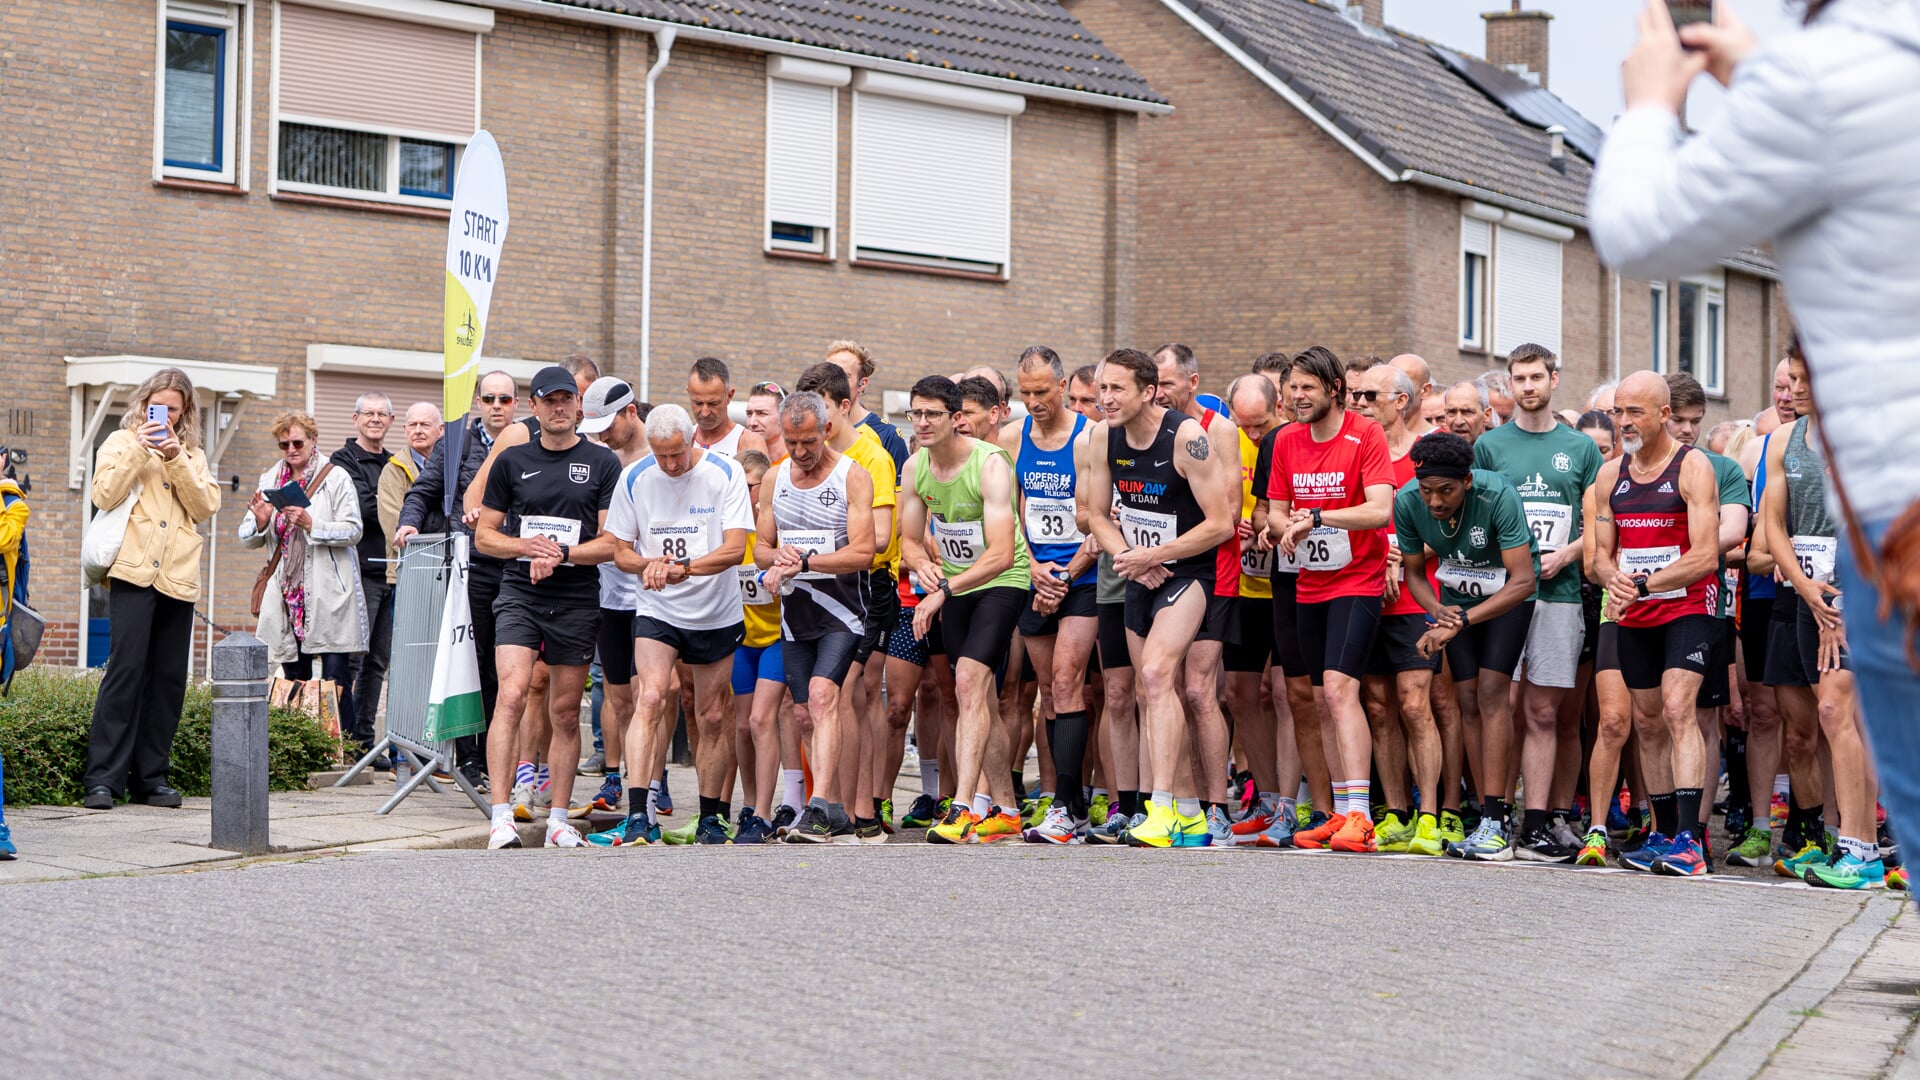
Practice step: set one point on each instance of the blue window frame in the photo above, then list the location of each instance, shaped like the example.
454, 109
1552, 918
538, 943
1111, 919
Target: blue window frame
194, 127
426, 169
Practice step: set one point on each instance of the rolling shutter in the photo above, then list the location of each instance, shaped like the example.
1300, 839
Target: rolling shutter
334, 393
1476, 236
930, 182
802, 152
385, 74
1526, 291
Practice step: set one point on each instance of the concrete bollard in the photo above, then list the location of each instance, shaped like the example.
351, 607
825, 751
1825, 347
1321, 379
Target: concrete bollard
240, 680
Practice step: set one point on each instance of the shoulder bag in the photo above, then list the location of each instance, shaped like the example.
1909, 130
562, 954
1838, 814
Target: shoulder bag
266, 572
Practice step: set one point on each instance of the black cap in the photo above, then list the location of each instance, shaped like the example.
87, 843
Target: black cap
551, 378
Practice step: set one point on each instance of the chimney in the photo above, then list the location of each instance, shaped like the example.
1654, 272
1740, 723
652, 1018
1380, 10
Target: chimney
1369, 12
1517, 41
1557, 148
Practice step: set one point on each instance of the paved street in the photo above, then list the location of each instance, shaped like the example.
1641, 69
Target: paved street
902, 960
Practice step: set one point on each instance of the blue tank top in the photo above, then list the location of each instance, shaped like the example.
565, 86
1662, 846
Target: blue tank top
1046, 483
1760, 586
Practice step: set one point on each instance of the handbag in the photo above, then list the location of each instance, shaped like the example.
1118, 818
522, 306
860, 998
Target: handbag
265, 577
100, 545
1894, 570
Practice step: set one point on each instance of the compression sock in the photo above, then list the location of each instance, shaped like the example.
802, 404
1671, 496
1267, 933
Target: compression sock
1738, 792
1666, 815
1067, 742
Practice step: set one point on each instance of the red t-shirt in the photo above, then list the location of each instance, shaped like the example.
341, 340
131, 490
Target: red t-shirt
1406, 604
1334, 475
1226, 557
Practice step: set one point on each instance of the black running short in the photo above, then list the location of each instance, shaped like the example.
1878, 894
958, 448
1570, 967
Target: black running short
1590, 616
1113, 638
1717, 688
1755, 614
1496, 644
563, 636
1286, 627
1078, 604
1806, 638
1782, 667
1396, 646
1648, 652
979, 625
829, 658
1606, 650
883, 613
1343, 628
696, 647
616, 646
1144, 605
1250, 637
1218, 625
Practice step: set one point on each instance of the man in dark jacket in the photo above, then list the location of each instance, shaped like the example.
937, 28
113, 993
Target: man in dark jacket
362, 458
422, 513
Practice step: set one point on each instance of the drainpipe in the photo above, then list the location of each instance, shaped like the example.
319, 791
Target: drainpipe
664, 40
1615, 275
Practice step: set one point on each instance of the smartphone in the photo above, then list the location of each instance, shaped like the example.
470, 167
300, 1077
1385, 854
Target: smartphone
156, 414
1688, 12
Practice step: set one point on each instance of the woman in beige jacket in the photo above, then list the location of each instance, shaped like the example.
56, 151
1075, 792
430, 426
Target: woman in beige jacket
151, 591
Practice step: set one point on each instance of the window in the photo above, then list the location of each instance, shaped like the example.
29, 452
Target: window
932, 174
199, 58
1659, 321
1526, 284
375, 108
1476, 248
1701, 340
803, 153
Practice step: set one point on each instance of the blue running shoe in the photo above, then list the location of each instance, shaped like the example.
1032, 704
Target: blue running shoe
754, 830
634, 830
608, 797
7, 850
1686, 858
1618, 823
664, 801
1641, 858
712, 830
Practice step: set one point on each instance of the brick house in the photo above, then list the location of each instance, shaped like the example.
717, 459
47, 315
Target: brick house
257, 191
1328, 179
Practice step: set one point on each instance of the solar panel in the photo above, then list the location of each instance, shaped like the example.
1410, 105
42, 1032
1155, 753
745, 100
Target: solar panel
1526, 102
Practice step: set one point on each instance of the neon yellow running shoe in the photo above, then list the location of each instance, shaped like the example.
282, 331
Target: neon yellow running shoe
1034, 811
1303, 813
1593, 850
1097, 810
955, 828
683, 835
1452, 829
1425, 838
1158, 829
1392, 834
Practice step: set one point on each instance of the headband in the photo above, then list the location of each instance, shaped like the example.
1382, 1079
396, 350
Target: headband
1434, 470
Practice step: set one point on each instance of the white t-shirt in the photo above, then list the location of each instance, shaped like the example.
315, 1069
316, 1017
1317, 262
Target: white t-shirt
617, 587
685, 516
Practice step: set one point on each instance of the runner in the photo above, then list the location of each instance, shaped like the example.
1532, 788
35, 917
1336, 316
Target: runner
608, 412
1469, 412
1175, 509
759, 681
1613, 702
1420, 374
962, 488
1657, 550
709, 392
815, 540
763, 418
1120, 723
1331, 495
858, 363
1550, 466
554, 495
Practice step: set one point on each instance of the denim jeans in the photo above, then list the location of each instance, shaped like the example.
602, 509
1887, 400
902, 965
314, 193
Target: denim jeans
1889, 688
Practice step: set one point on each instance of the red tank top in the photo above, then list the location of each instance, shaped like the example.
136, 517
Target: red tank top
1651, 518
1226, 557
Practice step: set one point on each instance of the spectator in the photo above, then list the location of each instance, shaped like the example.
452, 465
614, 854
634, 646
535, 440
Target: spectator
13, 588
152, 589
423, 429
363, 458
313, 607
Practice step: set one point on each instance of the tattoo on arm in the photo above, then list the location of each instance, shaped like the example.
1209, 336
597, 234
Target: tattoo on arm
1199, 448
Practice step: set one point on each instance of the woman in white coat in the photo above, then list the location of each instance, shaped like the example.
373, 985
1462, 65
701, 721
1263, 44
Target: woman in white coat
313, 606
1817, 151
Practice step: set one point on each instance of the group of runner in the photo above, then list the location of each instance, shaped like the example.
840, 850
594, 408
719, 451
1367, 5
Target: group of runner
1299, 616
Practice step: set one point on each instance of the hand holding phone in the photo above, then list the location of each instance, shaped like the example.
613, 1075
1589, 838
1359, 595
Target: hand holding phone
1687, 13
157, 414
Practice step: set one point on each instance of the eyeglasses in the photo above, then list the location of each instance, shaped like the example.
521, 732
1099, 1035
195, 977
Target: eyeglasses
926, 416
422, 425
375, 415
496, 399
1368, 396
293, 444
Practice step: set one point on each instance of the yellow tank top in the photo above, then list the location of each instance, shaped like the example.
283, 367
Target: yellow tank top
867, 452
763, 619
1254, 567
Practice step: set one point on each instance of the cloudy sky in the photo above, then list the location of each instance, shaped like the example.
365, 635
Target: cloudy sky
1589, 39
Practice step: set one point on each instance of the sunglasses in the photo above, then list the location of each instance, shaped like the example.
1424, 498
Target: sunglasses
496, 399
1368, 396
293, 444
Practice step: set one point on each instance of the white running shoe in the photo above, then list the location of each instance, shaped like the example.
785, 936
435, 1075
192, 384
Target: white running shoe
502, 835
523, 802
561, 834
1059, 827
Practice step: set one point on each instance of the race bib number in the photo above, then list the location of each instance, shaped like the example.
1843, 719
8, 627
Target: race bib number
1051, 521
1288, 564
1551, 524
560, 530
1815, 554
752, 592
681, 538
1144, 528
1325, 548
961, 542
1393, 541
1256, 563
1637, 561
1478, 582
812, 541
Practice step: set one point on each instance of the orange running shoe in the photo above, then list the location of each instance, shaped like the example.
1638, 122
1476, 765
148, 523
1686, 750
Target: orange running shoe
1316, 838
1355, 835
997, 827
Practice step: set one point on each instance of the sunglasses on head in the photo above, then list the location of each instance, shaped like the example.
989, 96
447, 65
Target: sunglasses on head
496, 399
293, 444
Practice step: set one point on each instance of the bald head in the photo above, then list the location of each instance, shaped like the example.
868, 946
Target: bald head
1642, 403
1253, 402
1766, 422
1417, 372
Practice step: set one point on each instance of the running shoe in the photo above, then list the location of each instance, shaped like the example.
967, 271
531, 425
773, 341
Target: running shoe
1426, 838
843, 832
1355, 836
1097, 810
542, 787
870, 831
563, 835
663, 803
1157, 830
783, 820
1279, 833
1739, 818
1114, 831
1452, 829
1686, 858
608, 797
955, 828
1897, 878
753, 830
1642, 857
1752, 848
595, 765
1192, 831
1487, 844
1620, 824
812, 827
1034, 812
1889, 847
1391, 834
1219, 829
7, 850
1059, 828
1564, 835
1541, 845
886, 816
998, 826
712, 829
1795, 865
1777, 812
633, 830
1248, 829
523, 801
922, 814
1593, 850
502, 835
1848, 872
683, 835
1316, 836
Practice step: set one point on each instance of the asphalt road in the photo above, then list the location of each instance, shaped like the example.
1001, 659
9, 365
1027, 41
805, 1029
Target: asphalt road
906, 960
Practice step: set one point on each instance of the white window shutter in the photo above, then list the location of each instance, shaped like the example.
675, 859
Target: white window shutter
1526, 291
930, 181
1476, 236
802, 153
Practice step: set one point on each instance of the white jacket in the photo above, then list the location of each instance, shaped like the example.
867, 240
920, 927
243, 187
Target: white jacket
336, 608
1819, 152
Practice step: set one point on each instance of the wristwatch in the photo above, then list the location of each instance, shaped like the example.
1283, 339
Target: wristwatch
1640, 583
804, 560
1465, 621
1316, 517
566, 552
685, 564
946, 587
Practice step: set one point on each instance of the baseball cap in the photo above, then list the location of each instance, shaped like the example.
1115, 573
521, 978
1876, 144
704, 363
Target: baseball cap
551, 378
604, 400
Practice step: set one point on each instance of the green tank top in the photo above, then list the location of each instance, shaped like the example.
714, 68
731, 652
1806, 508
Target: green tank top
959, 518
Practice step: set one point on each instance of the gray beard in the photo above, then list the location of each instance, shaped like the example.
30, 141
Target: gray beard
1631, 446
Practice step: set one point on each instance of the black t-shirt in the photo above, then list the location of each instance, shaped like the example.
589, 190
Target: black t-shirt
559, 493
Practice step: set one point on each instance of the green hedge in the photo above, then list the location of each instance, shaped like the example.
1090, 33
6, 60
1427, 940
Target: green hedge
43, 740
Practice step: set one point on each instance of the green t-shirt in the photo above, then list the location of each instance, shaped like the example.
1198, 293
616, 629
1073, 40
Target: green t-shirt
959, 518
1490, 521
1551, 473
1733, 492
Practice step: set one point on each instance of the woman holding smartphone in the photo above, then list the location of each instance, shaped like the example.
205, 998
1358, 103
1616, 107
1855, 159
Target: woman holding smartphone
151, 589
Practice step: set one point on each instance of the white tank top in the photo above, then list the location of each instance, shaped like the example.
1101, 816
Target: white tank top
815, 519
730, 445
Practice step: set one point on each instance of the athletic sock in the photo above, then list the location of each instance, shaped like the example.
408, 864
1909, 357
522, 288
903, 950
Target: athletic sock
1665, 814
837, 814
817, 803
1359, 798
1268, 798
709, 806
1019, 786
1864, 850
1686, 810
1129, 803
1164, 798
1187, 808
722, 810
613, 774
523, 773
876, 805
1339, 798
929, 778
1495, 808
1288, 808
1734, 741
982, 805
1782, 784
502, 813
556, 816
1532, 820
653, 804
793, 789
